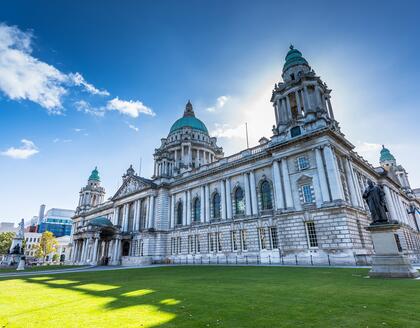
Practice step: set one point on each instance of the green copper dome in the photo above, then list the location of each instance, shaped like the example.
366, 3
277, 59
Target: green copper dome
95, 175
386, 155
189, 120
294, 57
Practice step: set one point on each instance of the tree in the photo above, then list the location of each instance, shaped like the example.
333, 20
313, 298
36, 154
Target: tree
6, 241
47, 245
56, 257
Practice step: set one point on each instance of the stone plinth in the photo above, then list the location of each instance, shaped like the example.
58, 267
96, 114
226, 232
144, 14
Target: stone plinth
389, 260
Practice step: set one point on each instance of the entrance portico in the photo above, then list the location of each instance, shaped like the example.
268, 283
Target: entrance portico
97, 243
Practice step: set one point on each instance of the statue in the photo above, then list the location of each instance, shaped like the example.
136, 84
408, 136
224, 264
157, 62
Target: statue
375, 198
21, 231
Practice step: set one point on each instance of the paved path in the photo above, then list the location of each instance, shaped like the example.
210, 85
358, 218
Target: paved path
107, 268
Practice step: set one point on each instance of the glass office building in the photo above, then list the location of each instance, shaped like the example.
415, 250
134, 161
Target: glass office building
58, 221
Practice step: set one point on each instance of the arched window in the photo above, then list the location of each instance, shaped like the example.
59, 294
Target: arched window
266, 197
196, 209
216, 206
239, 201
179, 214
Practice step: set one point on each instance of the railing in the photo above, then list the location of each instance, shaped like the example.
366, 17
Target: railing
271, 259
235, 157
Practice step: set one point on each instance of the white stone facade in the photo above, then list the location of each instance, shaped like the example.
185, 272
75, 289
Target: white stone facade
295, 197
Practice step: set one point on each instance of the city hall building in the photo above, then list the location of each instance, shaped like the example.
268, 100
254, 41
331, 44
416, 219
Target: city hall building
294, 197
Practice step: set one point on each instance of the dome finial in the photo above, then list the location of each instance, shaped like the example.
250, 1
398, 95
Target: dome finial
291, 47
189, 111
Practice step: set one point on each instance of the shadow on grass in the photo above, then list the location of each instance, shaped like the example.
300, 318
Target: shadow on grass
131, 291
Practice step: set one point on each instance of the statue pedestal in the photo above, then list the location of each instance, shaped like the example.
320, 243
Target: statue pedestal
389, 260
21, 265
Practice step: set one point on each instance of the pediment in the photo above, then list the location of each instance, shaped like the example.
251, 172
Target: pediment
304, 179
131, 185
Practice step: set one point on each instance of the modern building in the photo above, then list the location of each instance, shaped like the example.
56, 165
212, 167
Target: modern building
296, 195
58, 221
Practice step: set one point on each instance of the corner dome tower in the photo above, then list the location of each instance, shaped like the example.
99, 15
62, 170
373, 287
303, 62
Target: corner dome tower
386, 159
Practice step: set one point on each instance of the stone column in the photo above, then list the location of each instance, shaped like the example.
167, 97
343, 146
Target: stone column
288, 109
172, 224
228, 199
299, 111
85, 250
207, 198
188, 208
115, 218
202, 204
94, 253
333, 173
286, 184
356, 185
223, 199
306, 100
330, 110
254, 201
152, 212
125, 217
276, 111
184, 209
278, 192
146, 224
247, 195
350, 182
135, 223
321, 176
116, 256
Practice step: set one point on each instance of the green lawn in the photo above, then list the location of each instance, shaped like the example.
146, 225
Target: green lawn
210, 296
40, 268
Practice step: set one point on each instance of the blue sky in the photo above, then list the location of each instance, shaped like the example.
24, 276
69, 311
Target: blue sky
86, 83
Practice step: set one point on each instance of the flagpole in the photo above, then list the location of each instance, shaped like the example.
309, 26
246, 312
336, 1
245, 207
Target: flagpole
246, 129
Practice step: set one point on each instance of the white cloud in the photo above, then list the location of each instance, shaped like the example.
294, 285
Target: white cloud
366, 147
131, 126
24, 77
220, 103
79, 80
130, 107
227, 131
85, 107
26, 150
78, 130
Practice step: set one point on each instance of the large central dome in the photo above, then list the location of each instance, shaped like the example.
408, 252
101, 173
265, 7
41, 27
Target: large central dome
189, 120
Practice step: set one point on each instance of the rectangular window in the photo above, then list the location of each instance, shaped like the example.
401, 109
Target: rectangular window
307, 194
197, 243
244, 245
190, 244
219, 241
235, 241
311, 234
178, 245
172, 245
303, 163
211, 243
261, 234
141, 247
274, 241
